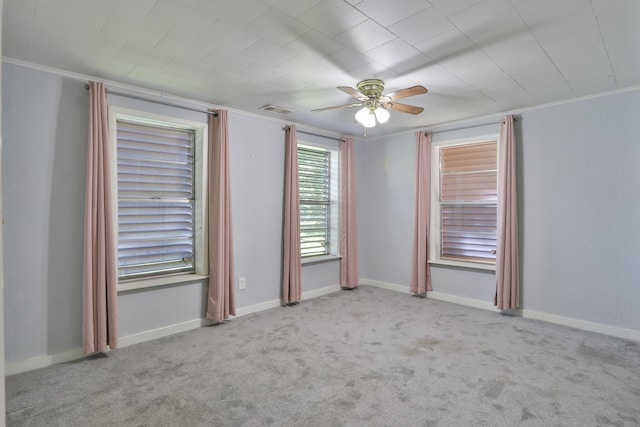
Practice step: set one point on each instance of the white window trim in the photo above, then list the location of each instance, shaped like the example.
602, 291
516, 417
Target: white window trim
434, 214
159, 281
200, 163
334, 216
320, 259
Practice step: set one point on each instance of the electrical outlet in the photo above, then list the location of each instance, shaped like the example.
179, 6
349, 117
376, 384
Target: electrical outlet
242, 283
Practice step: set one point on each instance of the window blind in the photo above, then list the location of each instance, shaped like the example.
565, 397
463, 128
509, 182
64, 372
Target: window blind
314, 194
155, 199
468, 196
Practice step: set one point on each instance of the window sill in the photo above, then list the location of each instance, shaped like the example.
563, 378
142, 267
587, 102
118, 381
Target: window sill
320, 259
461, 264
156, 282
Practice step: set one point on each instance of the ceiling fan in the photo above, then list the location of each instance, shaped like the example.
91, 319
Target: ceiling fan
375, 104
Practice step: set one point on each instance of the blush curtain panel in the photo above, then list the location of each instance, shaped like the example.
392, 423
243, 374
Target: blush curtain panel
348, 235
100, 270
291, 260
507, 295
420, 270
220, 301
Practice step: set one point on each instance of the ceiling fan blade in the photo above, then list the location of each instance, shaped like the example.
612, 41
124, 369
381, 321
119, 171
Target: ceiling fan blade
404, 93
338, 106
404, 108
353, 92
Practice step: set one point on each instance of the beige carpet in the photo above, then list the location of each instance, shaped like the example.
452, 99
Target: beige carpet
368, 357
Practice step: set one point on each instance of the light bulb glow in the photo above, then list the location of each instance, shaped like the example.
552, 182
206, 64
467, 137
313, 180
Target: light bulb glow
366, 118
381, 114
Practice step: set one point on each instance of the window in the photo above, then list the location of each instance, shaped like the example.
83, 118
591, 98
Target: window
159, 210
465, 213
317, 184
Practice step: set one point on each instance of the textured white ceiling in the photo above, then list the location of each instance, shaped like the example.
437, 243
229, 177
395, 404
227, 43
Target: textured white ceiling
475, 57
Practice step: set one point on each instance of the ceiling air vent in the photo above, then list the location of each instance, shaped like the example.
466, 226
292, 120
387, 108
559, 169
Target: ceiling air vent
276, 109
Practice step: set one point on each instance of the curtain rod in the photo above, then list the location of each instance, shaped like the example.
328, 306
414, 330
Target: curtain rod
515, 119
155, 101
314, 134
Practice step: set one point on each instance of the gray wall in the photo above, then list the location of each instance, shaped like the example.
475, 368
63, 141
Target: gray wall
579, 210
385, 186
43, 172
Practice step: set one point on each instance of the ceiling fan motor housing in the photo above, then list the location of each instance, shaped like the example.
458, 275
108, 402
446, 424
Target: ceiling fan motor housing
372, 89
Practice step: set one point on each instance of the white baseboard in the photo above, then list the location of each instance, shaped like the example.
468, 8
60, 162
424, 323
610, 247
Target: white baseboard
42, 361
431, 294
614, 331
321, 292
584, 325
385, 285
75, 354
277, 303
160, 332
463, 301
243, 311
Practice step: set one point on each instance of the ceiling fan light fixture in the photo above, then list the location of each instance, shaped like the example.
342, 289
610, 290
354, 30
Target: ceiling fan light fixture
366, 117
381, 114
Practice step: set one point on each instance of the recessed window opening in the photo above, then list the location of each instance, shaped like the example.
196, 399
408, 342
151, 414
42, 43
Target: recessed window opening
318, 195
467, 202
156, 199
